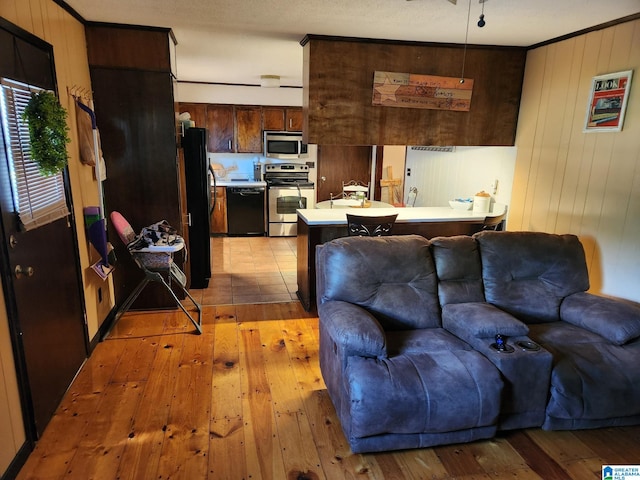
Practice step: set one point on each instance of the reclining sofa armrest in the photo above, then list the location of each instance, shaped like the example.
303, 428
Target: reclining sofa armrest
480, 320
613, 319
353, 328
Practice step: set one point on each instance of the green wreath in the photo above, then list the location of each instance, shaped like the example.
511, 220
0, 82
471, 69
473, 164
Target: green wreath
47, 122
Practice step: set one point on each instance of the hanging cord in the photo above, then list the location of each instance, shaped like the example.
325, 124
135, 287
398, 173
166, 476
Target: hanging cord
466, 37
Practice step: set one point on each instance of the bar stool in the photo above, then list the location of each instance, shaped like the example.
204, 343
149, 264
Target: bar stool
368, 226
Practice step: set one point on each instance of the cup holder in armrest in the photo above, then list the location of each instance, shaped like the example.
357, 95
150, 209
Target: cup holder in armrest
528, 346
501, 345
502, 348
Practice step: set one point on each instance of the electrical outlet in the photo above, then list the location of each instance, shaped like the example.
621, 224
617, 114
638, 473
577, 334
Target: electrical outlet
494, 186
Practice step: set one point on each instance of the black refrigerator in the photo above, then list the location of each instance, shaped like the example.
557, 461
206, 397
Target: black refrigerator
197, 176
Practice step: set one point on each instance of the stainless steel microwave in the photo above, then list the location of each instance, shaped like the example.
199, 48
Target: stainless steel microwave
284, 145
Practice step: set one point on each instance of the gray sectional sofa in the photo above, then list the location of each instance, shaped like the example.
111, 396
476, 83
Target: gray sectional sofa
448, 340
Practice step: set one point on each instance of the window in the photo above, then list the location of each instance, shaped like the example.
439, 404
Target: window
38, 200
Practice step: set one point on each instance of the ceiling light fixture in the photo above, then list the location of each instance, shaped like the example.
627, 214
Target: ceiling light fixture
270, 81
481, 22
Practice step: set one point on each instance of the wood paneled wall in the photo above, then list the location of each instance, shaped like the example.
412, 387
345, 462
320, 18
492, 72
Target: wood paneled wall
50, 22
567, 181
338, 88
12, 433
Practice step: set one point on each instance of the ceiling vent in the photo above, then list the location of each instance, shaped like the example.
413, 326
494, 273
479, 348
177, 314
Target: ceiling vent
433, 148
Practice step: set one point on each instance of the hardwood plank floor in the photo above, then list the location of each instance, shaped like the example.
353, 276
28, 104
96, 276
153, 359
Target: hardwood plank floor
246, 400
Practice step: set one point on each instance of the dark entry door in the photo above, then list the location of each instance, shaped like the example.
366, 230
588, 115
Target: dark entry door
48, 312
39, 268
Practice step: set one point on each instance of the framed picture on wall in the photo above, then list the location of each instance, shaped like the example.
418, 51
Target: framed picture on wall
608, 102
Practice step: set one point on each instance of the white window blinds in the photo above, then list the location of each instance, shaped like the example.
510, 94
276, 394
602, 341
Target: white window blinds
38, 199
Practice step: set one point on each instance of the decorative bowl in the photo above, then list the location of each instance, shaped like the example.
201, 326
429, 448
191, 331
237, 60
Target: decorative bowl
461, 204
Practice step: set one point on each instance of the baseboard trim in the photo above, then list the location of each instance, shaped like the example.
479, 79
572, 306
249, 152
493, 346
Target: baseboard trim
103, 330
18, 461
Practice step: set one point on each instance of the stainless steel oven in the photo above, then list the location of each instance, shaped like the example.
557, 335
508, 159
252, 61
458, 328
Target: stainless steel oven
288, 190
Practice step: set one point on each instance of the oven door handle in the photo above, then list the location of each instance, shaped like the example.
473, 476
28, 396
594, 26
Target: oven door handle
300, 197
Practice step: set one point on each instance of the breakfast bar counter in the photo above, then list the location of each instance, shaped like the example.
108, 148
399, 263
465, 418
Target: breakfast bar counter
317, 226
337, 216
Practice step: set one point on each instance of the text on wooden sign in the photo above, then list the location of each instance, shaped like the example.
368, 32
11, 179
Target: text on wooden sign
407, 90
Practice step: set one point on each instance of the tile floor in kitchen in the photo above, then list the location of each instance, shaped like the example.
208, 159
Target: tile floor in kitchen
250, 270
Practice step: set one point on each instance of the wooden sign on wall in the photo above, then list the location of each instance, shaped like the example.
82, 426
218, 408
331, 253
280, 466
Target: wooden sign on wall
407, 90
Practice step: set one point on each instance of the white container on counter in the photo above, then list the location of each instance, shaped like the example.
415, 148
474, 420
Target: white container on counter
481, 202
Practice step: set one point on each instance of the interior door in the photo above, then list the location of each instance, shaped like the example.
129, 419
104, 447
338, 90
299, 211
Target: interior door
47, 310
338, 163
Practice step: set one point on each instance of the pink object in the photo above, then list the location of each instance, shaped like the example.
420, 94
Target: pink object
125, 232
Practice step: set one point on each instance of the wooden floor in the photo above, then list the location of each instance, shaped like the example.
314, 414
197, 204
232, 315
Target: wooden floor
245, 400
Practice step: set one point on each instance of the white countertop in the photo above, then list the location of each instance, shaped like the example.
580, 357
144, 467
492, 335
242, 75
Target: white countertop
240, 183
405, 215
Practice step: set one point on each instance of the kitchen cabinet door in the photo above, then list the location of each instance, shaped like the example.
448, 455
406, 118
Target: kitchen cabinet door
219, 213
198, 112
220, 128
273, 119
249, 129
293, 119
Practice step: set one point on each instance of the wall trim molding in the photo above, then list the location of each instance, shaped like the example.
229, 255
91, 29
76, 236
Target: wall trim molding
595, 28
198, 82
70, 10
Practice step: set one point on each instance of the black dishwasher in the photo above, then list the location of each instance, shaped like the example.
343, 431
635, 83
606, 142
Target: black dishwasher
245, 211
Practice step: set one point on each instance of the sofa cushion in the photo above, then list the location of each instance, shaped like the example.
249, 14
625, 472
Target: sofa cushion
459, 269
593, 382
480, 320
529, 273
431, 392
617, 321
401, 342
555, 333
392, 277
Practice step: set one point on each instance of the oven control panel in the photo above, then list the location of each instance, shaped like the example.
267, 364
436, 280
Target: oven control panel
286, 167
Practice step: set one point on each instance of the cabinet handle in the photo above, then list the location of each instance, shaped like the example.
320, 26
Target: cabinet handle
290, 123
229, 144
